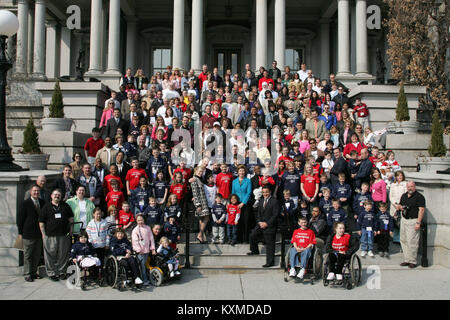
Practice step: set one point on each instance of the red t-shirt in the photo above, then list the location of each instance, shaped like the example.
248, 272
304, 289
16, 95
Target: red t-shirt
317, 170
178, 189
107, 182
201, 77
232, 211
342, 243
223, 183
309, 184
115, 198
133, 176
186, 172
303, 237
269, 179
125, 217
92, 146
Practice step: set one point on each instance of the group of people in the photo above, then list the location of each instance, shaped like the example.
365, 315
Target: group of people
269, 150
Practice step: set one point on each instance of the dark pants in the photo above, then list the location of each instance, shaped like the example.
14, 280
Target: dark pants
383, 241
232, 232
100, 254
269, 238
337, 262
130, 264
32, 251
246, 223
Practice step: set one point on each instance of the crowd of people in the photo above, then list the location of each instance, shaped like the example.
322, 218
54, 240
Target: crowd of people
269, 149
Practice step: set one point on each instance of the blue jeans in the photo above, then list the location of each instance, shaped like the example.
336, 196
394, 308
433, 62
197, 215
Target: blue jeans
366, 239
142, 258
232, 232
304, 257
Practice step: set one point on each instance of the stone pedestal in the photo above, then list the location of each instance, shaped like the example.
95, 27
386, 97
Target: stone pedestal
83, 102
13, 186
60, 145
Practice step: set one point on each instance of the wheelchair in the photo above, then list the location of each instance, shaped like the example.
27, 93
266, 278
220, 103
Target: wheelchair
351, 273
313, 266
75, 236
82, 277
158, 270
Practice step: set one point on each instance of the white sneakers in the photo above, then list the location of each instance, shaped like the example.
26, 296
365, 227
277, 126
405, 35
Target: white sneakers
330, 276
371, 254
363, 253
339, 277
301, 273
177, 273
292, 272
138, 281
172, 274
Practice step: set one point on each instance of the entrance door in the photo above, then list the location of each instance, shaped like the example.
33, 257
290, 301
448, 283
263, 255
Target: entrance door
227, 58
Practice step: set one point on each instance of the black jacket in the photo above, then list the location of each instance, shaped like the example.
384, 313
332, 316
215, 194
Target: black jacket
124, 172
27, 219
61, 185
111, 127
340, 165
269, 214
363, 173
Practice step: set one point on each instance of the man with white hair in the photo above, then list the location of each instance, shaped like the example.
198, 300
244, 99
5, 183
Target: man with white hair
170, 93
412, 208
43, 193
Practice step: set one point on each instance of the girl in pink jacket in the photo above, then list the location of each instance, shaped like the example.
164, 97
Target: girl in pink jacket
143, 242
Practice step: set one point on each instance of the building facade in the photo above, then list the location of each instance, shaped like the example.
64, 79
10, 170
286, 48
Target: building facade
104, 37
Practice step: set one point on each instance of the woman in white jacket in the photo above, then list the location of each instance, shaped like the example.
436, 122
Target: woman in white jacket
396, 190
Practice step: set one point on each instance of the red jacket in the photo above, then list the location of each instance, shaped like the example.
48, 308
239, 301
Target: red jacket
201, 77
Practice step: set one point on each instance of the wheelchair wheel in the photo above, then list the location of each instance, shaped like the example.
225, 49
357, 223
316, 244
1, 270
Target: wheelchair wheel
156, 277
286, 266
317, 263
122, 278
355, 270
111, 271
325, 270
73, 273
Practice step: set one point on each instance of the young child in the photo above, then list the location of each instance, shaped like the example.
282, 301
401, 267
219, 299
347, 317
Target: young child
323, 184
83, 251
139, 196
126, 218
233, 215
290, 181
210, 190
384, 227
327, 163
160, 188
289, 212
325, 204
130, 147
178, 187
171, 258
342, 191
172, 208
153, 213
111, 176
171, 231
115, 197
303, 240
97, 230
389, 166
121, 246
218, 214
143, 243
186, 172
303, 210
155, 164
113, 215
133, 175
309, 185
360, 198
224, 181
337, 214
93, 144
366, 226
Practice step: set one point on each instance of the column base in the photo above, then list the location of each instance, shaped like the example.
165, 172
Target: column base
21, 76
38, 77
111, 78
351, 80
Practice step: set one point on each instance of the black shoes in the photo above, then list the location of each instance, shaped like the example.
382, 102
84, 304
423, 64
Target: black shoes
63, 276
404, 264
268, 265
29, 279
251, 253
36, 276
54, 278
412, 265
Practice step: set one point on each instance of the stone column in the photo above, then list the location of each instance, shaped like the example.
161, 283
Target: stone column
65, 65
280, 33
51, 51
77, 45
178, 34
39, 40
197, 35
30, 40
362, 67
343, 38
22, 38
261, 34
325, 48
95, 59
114, 37
131, 43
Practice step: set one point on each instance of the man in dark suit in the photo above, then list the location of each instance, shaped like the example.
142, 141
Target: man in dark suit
250, 79
340, 165
122, 168
65, 184
266, 226
27, 221
134, 112
114, 123
125, 105
364, 170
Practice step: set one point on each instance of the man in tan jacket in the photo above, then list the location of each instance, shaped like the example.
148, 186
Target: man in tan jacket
107, 154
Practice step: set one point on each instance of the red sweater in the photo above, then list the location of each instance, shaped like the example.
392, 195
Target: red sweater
125, 217
303, 237
133, 176
92, 146
107, 182
186, 172
223, 183
349, 147
268, 80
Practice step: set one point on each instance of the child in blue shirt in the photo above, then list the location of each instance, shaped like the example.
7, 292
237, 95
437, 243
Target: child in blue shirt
172, 208
384, 228
139, 196
218, 215
366, 226
358, 202
290, 180
160, 188
172, 231
289, 213
325, 203
130, 147
353, 164
155, 164
323, 184
337, 214
342, 191
153, 213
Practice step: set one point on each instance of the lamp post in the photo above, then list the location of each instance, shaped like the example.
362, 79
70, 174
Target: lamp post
9, 24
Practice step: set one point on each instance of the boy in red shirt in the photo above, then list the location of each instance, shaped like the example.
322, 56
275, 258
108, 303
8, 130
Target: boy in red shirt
224, 181
115, 197
133, 176
309, 185
92, 145
233, 215
303, 240
126, 218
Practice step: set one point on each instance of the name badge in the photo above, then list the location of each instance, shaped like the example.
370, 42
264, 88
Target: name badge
142, 242
386, 221
141, 203
57, 215
369, 229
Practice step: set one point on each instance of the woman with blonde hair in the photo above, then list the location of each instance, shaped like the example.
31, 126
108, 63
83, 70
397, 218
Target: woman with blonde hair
200, 202
140, 79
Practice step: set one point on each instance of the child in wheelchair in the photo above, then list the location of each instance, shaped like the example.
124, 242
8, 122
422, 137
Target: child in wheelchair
122, 250
340, 247
303, 240
82, 253
170, 256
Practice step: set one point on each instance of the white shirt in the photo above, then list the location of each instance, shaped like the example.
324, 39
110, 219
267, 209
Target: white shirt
302, 74
170, 94
82, 205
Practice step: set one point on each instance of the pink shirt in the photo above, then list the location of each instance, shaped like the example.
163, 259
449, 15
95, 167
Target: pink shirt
378, 190
106, 115
142, 239
304, 145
